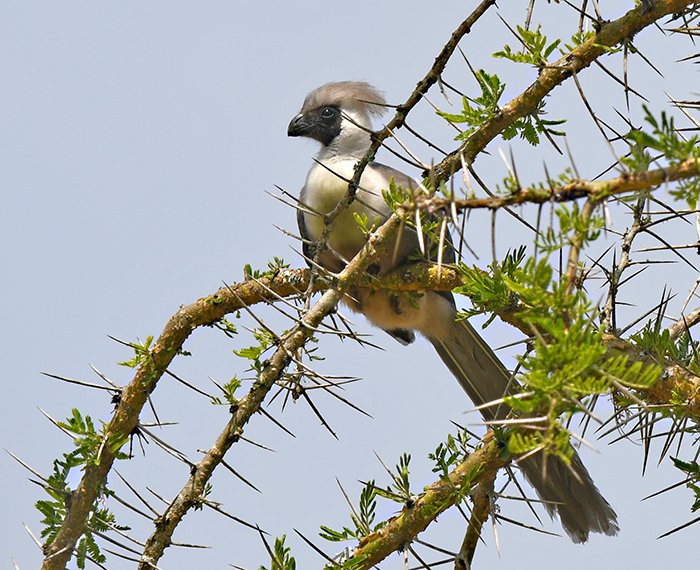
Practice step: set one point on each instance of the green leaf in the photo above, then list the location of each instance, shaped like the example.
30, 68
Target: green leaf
484, 107
273, 268
692, 472
364, 525
535, 49
229, 390
142, 353
282, 556
664, 138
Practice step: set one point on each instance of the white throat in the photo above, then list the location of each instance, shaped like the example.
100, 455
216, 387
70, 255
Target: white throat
353, 140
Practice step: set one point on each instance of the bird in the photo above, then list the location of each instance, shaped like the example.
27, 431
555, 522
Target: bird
338, 115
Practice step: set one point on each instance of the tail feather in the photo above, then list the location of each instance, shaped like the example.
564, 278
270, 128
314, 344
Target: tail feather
566, 490
569, 491
478, 370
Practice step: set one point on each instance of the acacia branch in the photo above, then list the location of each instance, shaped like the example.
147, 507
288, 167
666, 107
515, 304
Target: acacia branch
126, 416
684, 323
615, 276
597, 190
211, 309
575, 248
481, 509
272, 370
205, 311
609, 34
479, 468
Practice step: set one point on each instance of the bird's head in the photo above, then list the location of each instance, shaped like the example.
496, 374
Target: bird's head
338, 116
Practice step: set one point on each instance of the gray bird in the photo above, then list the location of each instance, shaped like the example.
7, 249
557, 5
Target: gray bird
338, 115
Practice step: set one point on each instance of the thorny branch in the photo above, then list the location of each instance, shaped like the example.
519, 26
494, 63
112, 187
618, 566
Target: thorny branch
286, 282
406, 526
609, 34
211, 309
575, 249
597, 190
481, 497
615, 275
125, 419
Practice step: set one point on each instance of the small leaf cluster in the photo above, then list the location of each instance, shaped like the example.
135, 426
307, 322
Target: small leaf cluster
531, 126
535, 49
363, 521
142, 353
202, 499
282, 555
253, 353
573, 228
229, 390
100, 520
401, 484
225, 326
273, 268
450, 454
692, 473
630, 374
581, 37
396, 196
656, 339
363, 223
664, 138
485, 106
562, 319
402, 201
488, 290
54, 509
577, 39
89, 440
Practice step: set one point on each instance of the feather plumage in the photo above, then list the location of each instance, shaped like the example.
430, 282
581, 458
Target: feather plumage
338, 115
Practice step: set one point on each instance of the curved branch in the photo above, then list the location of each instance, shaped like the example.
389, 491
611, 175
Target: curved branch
479, 468
677, 381
273, 368
609, 34
595, 190
211, 309
134, 396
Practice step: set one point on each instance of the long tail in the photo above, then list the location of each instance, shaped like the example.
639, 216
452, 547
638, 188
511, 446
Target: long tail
567, 490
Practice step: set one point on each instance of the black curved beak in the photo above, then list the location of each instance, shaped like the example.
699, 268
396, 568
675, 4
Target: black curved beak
299, 126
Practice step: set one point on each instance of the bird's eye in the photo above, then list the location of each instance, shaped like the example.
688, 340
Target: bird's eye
328, 112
